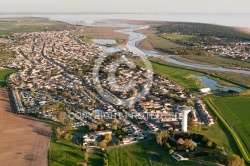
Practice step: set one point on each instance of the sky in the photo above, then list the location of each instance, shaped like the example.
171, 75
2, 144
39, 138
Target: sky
128, 6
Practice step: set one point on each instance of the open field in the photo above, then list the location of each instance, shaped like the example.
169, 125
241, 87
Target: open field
223, 137
234, 113
62, 152
241, 80
17, 25
176, 37
101, 33
183, 75
6, 55
215, 60
4, 74
153, 41
139, 155
24, 140
180, 76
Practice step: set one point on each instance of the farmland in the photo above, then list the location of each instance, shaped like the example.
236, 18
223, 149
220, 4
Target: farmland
9, 26
4, 73
24, 140
234, 113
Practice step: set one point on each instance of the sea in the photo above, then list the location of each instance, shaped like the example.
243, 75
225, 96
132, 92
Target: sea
227, 19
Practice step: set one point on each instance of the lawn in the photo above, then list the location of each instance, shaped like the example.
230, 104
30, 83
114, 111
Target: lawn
235, 113
180, 76
4, 73
139, 155
63, 152
223, 137
17, 25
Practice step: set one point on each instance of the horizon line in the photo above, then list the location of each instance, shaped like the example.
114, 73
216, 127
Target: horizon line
78, 13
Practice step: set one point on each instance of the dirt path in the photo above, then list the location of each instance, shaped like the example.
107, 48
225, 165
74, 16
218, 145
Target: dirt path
24, 141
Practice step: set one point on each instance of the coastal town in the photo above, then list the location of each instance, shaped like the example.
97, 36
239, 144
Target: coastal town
96, 101
55, 70
234, 50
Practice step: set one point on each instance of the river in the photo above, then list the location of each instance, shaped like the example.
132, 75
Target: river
135, 38
240, 20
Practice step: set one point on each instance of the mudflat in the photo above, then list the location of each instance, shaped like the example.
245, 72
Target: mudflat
243, 30
24, 141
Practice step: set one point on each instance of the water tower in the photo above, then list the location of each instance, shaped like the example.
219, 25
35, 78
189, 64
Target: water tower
184, 110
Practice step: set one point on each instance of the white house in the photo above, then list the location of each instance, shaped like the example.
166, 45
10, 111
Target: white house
205, 90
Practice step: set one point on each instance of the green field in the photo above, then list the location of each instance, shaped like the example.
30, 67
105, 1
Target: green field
63, 152
234, 112
180, 76
4, 74
139, 155
223, 137
224, 78
7, 55
176, 37
17, 25
218, 61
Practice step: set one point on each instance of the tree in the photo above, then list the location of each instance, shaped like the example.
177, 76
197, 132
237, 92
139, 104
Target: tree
60, 116
159, 138
93, 127
190, 102
108, 137
84, 164
58, 134
86, 157
114, 127
209, 143
118, 142
68, 136
43, 110
168, 145
191, 123
188, 144
106, 162
162, 138
235, 160
171, 151
103, 144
